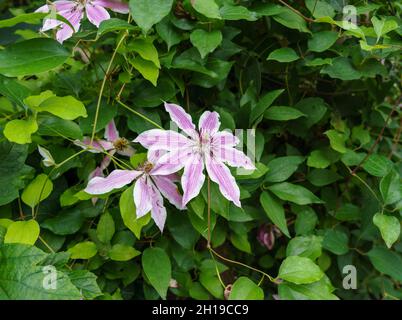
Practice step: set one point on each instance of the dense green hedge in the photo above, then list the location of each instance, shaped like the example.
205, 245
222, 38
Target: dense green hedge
318, 81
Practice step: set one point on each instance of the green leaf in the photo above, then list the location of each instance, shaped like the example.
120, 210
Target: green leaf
274, 210
383, 26
314, 109
341, 68
25, 232
307, 246
206, 42
113, 24
147, 68
83, 250
55, 127
292, 20
322, 158
168, 33
20, 131
157, 268
209, 278
121, 252
31, 57
85, 281
21, 278
245, 289
147, 13
283, 55
299, 270
66, 222
360, 134
322, 41
390, 228
320, 290
32, 18
336, 241
294, 193
322, 177
281, 168
12, 170
237, 12
348, 212
13, 90
127, 211
282, 113
377, 165
67, 108
390, 188
306, 220
337, 140
38, 190
106, 228
386, 261
146, 49
208, 8
320, 8
263, 104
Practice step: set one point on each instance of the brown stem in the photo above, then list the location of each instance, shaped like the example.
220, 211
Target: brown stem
296, 11
377, 141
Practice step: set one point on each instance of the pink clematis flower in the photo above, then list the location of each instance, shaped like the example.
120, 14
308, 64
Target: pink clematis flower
207, 146
148, 189
113, 143
74, 10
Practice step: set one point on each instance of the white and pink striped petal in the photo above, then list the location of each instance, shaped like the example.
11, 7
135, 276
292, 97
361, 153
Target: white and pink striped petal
114, 5
96, 14
115, 180
162, 140
181, 118
142, 196
233, 157
169, 190
111, 133
193, 177
209, 123
221, 175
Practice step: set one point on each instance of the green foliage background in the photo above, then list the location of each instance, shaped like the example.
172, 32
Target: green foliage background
322, 94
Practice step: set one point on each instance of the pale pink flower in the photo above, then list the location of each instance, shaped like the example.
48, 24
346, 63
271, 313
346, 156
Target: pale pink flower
74, 11
148, 189
112, 144
206, 146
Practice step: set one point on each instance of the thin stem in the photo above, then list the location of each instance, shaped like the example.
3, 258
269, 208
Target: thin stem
103, 86
243, 265
377, 141
217, 271
46, 245
209, 212
366, 185
139, 114
212, 251
296, 11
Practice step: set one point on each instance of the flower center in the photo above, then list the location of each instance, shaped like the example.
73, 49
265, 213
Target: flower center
120, 144
148, 167
202, 145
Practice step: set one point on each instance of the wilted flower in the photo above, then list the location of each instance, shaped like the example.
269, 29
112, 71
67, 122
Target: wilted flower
206, 146
48, 160
74, 10
148, 189
266, 235
113, 143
